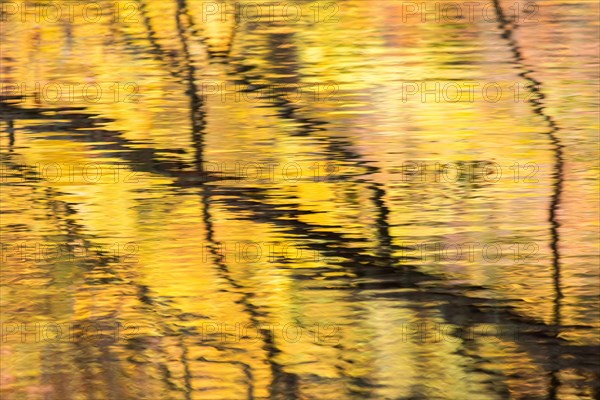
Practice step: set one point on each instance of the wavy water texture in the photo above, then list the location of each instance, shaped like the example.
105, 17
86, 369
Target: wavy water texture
300, 207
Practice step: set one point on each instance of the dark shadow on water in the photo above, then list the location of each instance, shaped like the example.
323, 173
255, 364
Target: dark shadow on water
537, 104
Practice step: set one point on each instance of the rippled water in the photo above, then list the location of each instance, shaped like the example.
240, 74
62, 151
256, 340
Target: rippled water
300, 208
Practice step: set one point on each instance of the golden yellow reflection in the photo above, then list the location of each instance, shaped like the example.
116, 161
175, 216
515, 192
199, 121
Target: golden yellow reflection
301, 200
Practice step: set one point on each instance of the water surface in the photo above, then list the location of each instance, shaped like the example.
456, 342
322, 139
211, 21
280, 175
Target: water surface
272, 208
